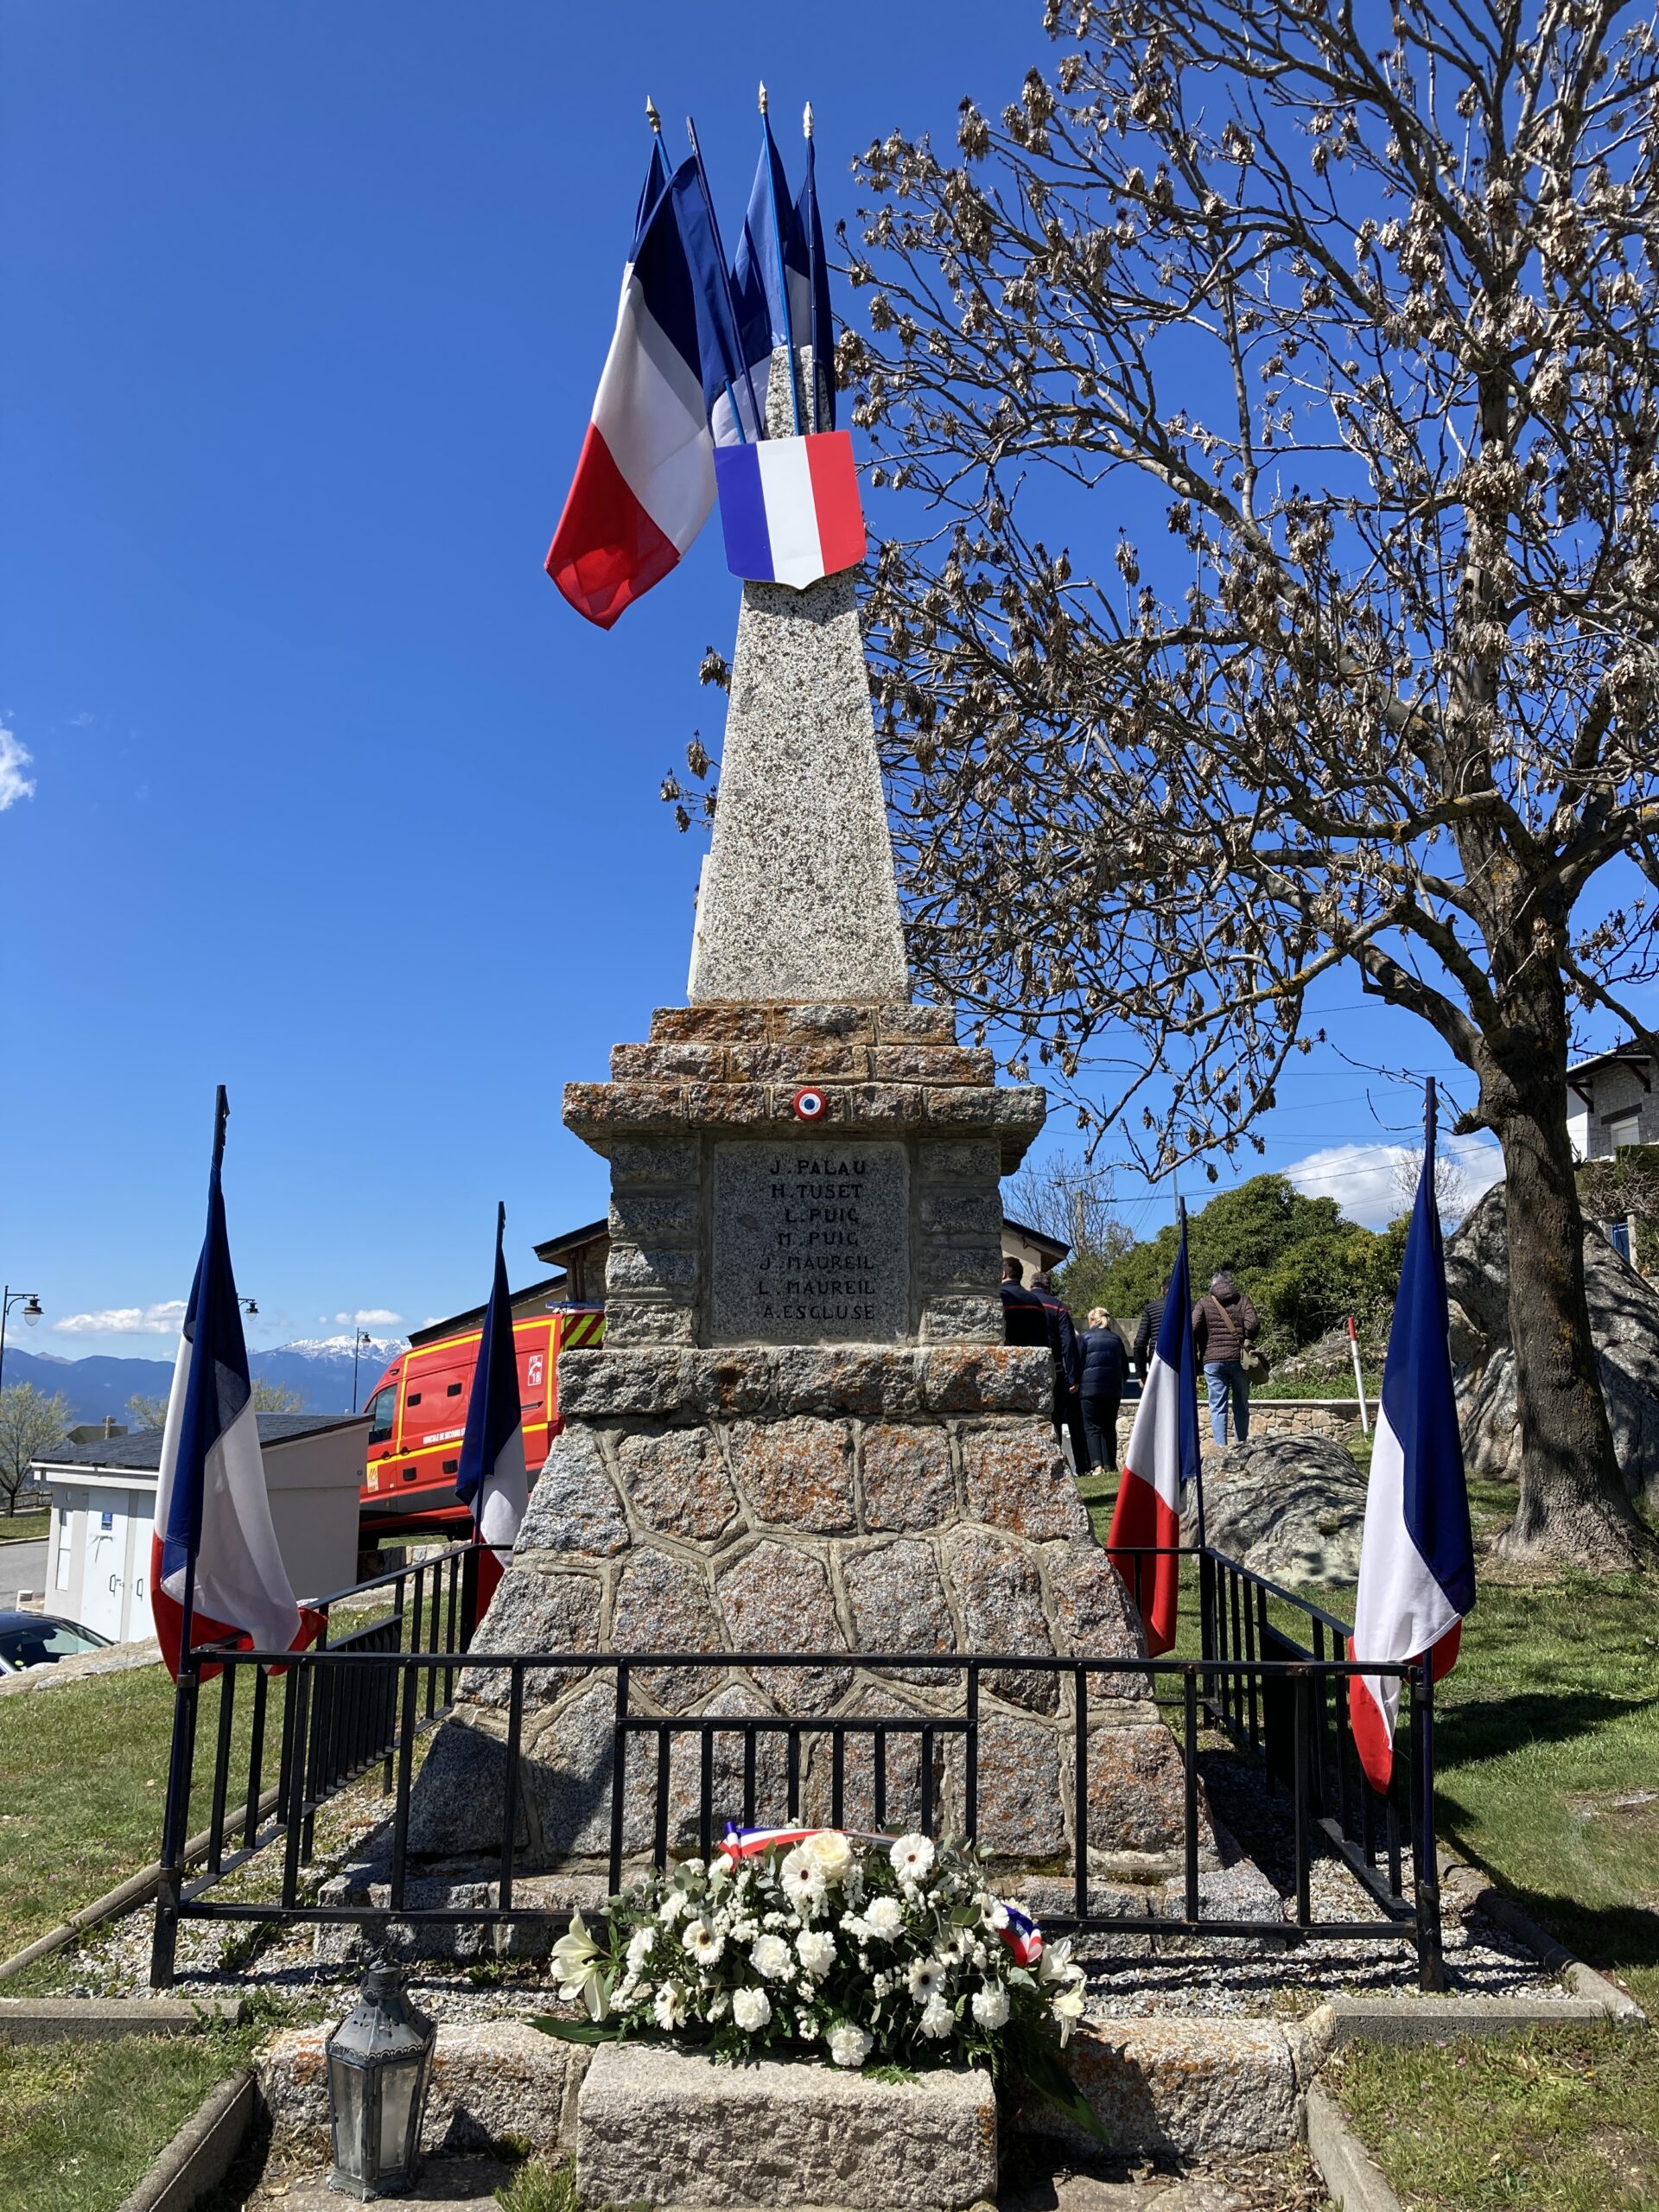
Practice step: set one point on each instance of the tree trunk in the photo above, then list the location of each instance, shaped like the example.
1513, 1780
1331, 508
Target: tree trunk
1573, 1506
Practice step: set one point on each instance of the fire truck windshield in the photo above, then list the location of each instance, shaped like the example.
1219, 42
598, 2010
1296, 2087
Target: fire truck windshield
382, 1409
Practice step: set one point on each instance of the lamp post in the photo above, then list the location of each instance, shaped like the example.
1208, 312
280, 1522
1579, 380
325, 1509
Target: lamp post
31, 1306
360, 1338
379, 2062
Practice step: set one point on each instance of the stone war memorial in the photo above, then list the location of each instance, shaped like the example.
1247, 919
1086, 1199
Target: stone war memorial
804, 1433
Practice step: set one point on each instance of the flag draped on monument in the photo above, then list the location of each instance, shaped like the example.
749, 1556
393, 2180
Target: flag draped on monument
1417, 1556
215, 1570
1161, 1460
492, 1480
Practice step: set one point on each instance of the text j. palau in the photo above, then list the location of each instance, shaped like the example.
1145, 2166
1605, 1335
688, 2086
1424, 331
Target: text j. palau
816, 1257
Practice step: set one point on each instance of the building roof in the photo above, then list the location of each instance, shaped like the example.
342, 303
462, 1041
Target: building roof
141, 1453
534, 1298
562, 1247
1053, 1248
1630, 1054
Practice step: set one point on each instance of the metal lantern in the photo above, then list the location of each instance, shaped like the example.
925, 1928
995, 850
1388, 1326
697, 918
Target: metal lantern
379, 2064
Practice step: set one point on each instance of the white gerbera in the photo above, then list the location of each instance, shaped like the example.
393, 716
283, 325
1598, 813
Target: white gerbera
704, 1941
802, 1881
885, 1918
912, 1857
938, 2019
850, 2046
669, 2006
991, 2006
925, 1978
816, 1949
830, 1852
770, 1957
751, 2009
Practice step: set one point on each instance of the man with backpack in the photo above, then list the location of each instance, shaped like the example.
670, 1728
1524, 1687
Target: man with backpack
1225, 1328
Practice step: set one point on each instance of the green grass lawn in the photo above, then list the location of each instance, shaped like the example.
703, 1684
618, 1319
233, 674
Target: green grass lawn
24, 1528
81, 2122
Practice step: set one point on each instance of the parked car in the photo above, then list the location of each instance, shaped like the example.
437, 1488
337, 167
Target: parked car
39, 1639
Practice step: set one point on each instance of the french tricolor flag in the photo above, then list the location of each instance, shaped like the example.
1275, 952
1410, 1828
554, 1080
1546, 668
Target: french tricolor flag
491, 1477
215, 1572
645, 482
790, 508
1161, 1460
1417, 1556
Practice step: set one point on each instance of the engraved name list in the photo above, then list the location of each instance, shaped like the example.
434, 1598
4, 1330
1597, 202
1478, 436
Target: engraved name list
811, 1241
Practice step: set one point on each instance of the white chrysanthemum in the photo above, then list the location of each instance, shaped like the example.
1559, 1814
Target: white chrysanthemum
938, 2019
673, 1904
991, 2006
912, 1857
704, 1941
816, 1949
639, 1945
751, 2009
885, 1918
925, 1978
830, 1852
850, 2046
770, 1957
669, 2006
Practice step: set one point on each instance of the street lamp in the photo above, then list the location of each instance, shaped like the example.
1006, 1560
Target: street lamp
248, 1302
31, 1306
358, 1341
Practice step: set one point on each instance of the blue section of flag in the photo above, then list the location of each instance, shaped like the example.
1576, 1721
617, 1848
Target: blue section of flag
820, 332
492, 1410
717, 354
765, 310
1421, 1406
743, 511
216, 1387
1176, 1350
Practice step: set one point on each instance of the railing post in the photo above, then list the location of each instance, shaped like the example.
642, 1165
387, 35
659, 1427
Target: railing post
619, 1773
175, 1819
1431, 1965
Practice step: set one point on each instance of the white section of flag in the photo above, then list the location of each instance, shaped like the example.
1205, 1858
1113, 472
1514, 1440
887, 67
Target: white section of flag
505, 1496
791, 511
240, 1579
1154, 1450
1400, 1609
649, 411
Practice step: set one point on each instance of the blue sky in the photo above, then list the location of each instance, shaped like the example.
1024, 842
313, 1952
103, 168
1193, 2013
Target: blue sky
334, 800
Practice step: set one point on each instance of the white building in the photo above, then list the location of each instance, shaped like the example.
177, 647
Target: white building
1611, 1103
103, 1504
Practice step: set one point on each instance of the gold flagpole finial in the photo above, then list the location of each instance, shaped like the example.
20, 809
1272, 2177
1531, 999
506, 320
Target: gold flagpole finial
806, 121
763, 99
652, 117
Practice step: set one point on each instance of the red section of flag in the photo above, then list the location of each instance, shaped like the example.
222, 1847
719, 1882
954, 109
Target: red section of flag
835, 496
1373, 1731
1141, 1518
607, 551
169, 1615
490, 1571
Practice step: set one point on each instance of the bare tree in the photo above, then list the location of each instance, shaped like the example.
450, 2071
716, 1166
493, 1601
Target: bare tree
1451, 1181
146, 1413
31, 1423
1369, 335
1071, 1199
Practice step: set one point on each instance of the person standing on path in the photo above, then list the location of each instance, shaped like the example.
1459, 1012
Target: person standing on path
1145, 1334
1223, 1322
1068, 1371
1025, 1320
1100, 1393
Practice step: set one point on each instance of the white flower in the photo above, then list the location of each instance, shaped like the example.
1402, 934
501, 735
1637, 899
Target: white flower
1067, 2008
704, 1941
938, 2019
671, 1907
802, 1882
991, 2006
639, 1945
751, 2009
993, 1914
669, 2008
925, 1977
830, 1852
850, 2046
1055, 1964
911, 1856
885, 1918
815, 1948
770, 1957
860, 1930
720, 1866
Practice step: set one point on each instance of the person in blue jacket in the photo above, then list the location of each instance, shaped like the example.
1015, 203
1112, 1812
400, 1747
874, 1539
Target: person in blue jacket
1105, 1371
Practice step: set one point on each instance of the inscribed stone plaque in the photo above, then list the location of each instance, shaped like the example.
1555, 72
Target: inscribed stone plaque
811, 1242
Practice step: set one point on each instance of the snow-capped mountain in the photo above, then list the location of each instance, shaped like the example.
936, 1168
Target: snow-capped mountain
318, 1370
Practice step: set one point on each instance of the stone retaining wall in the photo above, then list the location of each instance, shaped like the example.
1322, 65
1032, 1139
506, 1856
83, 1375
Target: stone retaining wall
1334, 1417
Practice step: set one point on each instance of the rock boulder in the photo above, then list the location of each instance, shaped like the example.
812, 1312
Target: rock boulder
1291, 1508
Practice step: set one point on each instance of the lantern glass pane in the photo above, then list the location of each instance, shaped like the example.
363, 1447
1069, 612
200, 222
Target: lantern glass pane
346, 2087
397, 2085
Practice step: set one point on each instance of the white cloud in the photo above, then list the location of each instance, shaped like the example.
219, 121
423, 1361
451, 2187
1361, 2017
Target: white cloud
162, 1320
14, 759
370, 1317
1364, 1179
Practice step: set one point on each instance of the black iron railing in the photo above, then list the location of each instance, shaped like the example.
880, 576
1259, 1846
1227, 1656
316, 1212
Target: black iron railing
364, 1700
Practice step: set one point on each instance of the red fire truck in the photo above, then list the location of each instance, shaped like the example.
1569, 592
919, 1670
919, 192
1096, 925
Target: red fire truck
417, 1412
